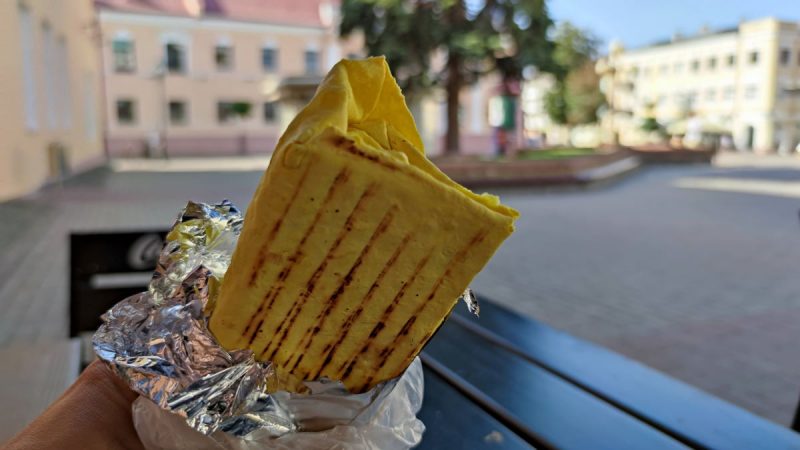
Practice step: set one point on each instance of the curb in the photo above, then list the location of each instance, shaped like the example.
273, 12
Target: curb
601, 174
614, 170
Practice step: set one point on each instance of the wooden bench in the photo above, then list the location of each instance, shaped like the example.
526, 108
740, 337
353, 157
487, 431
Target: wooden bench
498, 381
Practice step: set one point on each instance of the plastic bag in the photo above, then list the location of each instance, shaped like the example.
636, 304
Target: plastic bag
389, 423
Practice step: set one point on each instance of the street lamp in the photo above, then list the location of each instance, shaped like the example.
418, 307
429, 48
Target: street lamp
159, 138
607, 69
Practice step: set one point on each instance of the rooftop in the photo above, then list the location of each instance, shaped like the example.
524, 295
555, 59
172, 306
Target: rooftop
288, 12
701, 35
705, 33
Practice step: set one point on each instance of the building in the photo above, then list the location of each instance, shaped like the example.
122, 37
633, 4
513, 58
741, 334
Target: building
50, 121
212, 77
476, 132
200, 77
738, 86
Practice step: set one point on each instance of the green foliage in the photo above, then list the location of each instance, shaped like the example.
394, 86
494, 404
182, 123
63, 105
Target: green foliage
555, 103
650, 124
466, 39
573, 48
576, 96
241, 109
481, 37
583, 95
555, 153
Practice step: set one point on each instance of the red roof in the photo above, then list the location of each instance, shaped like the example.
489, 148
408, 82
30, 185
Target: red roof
290, 12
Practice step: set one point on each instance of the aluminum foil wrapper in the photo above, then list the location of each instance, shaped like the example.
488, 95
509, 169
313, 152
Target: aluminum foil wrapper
195, 394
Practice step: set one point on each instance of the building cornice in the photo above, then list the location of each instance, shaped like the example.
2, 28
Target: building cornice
689, 41
205, 23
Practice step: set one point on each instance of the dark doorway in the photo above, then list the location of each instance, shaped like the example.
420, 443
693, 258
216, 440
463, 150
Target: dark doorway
751, 134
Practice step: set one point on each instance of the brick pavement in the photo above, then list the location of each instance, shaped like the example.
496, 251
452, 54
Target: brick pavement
699, 284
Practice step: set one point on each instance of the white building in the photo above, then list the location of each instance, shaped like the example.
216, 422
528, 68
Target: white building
742, 82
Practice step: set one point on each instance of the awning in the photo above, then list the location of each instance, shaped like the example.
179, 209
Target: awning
679, 127
300, 88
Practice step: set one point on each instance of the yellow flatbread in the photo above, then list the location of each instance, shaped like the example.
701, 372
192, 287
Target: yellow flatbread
355, 247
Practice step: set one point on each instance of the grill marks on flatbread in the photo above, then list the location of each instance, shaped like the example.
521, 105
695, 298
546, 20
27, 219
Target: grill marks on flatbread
352, 255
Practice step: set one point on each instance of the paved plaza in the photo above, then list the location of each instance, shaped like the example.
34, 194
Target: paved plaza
691, 270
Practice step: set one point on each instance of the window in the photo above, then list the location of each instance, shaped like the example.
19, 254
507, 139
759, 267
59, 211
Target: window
695, 65
729, 93
678, 67
662, 69
312, 61
754, 57
28, 75
223, 56
123, 56
731, 60
783, 91
126, 112
270, 112
785, 55
711, 94
227, 112
691, 98
750, 92
175, 58
712, 63
177, 112
269, 59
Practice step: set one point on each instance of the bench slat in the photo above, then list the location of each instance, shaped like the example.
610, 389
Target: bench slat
453, 422
560, 414
687, 413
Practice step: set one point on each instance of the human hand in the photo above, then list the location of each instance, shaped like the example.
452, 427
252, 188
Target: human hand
94, 413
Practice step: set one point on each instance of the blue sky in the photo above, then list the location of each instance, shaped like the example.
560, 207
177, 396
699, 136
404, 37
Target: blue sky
638, 23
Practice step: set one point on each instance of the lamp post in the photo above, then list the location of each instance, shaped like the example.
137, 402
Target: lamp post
160, 140
607, 69
612, 104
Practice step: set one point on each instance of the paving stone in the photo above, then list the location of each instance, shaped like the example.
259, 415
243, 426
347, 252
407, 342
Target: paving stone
699, 284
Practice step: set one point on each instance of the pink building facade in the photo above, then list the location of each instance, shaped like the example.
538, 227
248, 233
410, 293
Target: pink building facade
225, 77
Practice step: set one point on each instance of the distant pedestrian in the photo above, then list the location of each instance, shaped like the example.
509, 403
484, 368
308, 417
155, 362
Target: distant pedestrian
501, 142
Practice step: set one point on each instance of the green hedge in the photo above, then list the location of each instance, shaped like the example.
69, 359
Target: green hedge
555, 153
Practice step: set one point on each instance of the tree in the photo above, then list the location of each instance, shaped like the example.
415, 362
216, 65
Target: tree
476, 37
573, 48
575, 97
650, 124
583, 95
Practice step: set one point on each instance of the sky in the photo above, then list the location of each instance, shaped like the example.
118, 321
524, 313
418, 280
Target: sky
638, 23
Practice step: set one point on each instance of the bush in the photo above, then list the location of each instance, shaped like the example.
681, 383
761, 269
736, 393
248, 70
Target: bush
555, 153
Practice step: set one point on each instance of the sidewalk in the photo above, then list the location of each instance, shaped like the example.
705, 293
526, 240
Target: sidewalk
699, 283
743, 160
219, 164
